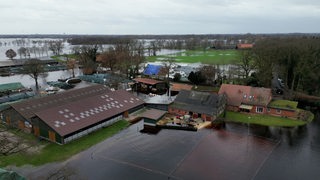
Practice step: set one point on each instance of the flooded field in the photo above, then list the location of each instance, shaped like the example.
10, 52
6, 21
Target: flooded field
234, 152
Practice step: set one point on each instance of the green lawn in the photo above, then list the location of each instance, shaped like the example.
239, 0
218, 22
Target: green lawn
262, 119
220, 57
54, 152
284, 104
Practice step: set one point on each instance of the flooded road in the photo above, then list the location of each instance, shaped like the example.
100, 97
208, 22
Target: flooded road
235, 152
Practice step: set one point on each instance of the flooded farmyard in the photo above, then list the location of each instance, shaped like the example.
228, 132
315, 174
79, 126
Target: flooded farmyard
233, 152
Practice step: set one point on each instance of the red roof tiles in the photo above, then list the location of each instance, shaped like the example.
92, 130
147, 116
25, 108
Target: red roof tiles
238, 94
147, 81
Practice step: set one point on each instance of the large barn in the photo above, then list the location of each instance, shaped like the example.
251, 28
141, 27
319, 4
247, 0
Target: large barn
66, 116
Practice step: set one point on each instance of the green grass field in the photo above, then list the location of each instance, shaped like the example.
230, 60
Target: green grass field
218, 57
54, 152
262, 119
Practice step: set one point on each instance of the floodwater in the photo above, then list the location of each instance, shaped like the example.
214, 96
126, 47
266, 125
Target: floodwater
234, 152
28, 82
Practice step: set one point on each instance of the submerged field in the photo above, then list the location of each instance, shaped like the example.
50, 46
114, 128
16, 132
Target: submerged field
220, 57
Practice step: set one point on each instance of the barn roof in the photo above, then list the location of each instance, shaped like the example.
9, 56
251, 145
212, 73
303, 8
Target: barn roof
154, 114
238, 94
73, 116
147, 81
28, 108
200, 102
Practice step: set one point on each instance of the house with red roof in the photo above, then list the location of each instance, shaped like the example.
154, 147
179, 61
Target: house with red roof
246, 98
257, 100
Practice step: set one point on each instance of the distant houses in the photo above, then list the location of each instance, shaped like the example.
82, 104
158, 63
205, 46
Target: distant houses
244, 46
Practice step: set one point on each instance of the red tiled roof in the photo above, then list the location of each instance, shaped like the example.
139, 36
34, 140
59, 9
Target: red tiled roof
179, 87
147, 81
80, 114
238, 94
244, 46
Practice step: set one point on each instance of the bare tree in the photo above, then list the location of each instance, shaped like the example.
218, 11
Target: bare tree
35, 69
108, 59
246, 62
22, 52
87, 57
56, 47
72, 64
209, 72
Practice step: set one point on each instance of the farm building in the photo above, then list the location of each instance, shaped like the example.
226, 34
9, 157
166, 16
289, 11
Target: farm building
246, 98
256, 100
66, 116
146, 85
204, 105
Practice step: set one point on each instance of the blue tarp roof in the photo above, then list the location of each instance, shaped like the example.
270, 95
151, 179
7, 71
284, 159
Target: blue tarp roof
152, 69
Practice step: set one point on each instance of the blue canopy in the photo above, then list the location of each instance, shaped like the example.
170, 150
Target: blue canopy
152, 69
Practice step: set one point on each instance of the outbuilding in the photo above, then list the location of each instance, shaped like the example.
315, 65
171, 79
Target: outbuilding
67, 116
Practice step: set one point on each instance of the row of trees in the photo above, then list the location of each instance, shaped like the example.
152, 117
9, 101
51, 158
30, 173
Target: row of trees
295, 60
55, 47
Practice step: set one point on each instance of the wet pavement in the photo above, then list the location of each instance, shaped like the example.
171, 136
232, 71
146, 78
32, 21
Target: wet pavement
235, 152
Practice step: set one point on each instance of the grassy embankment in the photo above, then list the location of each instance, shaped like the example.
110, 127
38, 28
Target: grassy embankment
54, 152
217, 57
265, 120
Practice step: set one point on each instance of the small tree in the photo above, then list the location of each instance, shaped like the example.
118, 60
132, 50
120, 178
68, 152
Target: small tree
196, 77
177, 77
71, 64
35, 69
22, 52
11, 54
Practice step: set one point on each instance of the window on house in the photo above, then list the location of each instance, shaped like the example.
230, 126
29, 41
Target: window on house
268, 109
278, 111
259, 109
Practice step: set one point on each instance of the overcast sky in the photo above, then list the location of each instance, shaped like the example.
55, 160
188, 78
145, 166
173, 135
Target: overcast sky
159, 16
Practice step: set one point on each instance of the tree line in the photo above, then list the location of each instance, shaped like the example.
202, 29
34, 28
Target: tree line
294, 60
